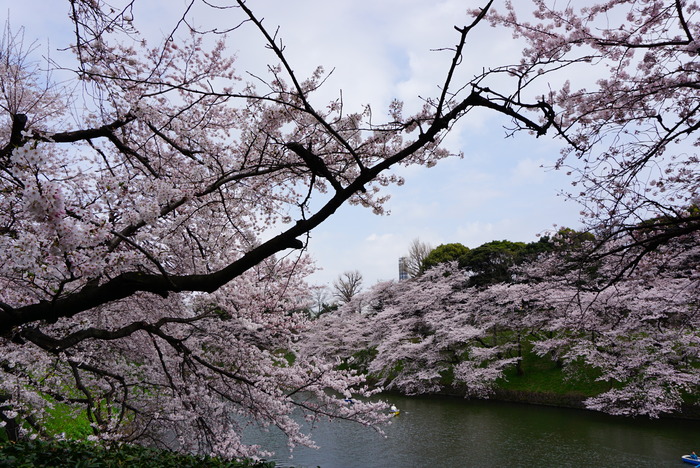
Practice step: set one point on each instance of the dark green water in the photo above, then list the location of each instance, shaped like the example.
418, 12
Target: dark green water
451, 432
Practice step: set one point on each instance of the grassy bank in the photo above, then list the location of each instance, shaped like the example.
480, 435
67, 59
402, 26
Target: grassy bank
73, 454
76, 452
540, 380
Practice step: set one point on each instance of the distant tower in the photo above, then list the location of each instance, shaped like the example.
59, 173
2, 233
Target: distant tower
403, 269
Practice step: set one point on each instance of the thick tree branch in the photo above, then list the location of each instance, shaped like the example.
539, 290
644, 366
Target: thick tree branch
316, 164
19, 121
130, 283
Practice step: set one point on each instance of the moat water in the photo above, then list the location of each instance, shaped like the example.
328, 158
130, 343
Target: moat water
451, 432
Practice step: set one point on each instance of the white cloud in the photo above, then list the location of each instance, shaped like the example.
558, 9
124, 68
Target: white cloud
529, 171
476, 233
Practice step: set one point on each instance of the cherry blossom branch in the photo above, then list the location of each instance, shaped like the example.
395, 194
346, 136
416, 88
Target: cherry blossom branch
54, 345
301, 93
457, 58
129, 283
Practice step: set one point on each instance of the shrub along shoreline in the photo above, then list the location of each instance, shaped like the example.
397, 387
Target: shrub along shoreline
72, 454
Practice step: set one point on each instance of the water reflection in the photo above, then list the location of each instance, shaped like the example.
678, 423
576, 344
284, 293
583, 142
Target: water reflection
451, 432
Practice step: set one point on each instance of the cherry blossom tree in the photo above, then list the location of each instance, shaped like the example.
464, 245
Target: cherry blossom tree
622, 77
640, 334
155, 208
437, 333
154, 212
423, 335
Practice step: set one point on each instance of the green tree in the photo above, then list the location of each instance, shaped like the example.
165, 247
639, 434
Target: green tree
491, 262
444, 253
570, 239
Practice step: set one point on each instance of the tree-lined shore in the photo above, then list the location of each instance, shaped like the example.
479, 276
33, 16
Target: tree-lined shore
546, 320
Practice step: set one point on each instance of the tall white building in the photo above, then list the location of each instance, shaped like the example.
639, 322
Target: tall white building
403, 269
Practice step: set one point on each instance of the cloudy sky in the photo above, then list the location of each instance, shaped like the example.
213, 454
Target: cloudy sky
382, 50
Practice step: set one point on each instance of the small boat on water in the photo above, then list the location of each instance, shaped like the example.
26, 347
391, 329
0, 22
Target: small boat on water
689, 459
394, 411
